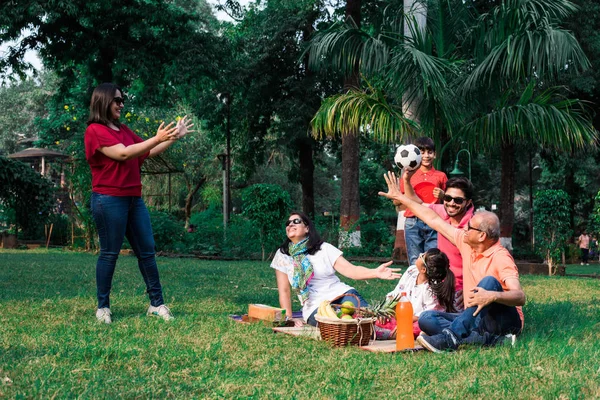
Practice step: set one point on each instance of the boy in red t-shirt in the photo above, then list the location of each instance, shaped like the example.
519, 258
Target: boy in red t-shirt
429, 185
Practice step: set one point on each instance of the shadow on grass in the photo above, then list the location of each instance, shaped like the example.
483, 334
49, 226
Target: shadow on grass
555, 319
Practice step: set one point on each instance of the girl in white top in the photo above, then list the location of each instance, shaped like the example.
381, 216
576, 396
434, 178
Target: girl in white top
429, 285
308, 265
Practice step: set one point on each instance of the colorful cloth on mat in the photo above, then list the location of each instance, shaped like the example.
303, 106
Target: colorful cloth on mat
303, 269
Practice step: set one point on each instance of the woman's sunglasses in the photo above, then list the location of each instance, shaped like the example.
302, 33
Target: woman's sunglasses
295, 221
119, 100
457, 200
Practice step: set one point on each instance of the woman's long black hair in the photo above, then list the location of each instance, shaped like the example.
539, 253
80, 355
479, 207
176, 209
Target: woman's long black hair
314, 239
441, 279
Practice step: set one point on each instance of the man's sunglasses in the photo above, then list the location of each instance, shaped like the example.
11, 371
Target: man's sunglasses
469, 227
295, 221
457, 200
119, 100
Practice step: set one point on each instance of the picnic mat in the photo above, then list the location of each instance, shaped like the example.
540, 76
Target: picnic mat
376, 346
244, 318
309, 331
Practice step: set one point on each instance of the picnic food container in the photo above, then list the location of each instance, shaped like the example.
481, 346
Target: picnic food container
344, 332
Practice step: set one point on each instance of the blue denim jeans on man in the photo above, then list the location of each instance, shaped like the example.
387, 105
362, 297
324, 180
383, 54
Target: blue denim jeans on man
117, 217
419, 238
493, 321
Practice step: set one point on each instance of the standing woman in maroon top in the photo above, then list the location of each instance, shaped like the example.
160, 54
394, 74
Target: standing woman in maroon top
115, 155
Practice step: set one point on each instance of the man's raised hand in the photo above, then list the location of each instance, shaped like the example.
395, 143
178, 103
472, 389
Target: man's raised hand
393, 192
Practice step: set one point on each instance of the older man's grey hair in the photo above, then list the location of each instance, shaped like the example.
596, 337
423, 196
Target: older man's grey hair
490, 224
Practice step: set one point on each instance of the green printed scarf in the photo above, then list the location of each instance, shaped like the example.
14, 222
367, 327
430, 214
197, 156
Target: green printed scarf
303, 269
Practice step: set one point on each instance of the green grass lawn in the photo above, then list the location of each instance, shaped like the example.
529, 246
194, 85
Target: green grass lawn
52, 347
577, 269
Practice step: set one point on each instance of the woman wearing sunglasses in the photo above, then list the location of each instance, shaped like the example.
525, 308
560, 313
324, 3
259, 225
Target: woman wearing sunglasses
115, 155
308, 265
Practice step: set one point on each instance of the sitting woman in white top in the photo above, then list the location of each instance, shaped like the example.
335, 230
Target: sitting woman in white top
308, 265
428, 284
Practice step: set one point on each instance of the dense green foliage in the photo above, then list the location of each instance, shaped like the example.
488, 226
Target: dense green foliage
551, 224
20, 105
173, 58
267, 206
51, 345
26, 193
480, 73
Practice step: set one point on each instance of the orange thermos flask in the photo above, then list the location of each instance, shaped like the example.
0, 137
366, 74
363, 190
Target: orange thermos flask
404, 324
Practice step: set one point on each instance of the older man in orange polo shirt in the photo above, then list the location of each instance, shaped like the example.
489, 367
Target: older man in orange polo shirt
492, 291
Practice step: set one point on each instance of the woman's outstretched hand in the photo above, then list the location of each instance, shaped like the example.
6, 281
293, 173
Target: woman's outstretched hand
183, 127
383, 272
166, 133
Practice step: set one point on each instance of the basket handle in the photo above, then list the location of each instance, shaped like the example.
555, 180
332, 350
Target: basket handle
358, 308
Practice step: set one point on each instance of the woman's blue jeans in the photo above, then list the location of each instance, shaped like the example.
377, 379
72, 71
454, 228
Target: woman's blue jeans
117, 217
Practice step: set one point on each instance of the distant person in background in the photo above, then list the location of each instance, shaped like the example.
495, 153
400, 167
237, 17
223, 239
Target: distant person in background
584, 246
428, 185
115, 155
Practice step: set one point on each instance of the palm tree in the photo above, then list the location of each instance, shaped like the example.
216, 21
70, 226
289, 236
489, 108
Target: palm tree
481, 75
518, 49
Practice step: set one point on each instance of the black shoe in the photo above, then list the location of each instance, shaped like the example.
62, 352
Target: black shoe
445, 341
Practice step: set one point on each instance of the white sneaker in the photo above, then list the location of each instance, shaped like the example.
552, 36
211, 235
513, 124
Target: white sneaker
161, 311
511, 339
103, 315
581, 263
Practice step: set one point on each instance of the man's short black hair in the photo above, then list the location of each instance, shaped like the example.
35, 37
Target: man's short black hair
425, 143
463, 184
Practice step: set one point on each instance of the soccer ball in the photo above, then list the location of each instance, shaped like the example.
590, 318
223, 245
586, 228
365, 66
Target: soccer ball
408, 156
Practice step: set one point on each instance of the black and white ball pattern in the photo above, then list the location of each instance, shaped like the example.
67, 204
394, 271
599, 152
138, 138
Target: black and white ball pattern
408, 156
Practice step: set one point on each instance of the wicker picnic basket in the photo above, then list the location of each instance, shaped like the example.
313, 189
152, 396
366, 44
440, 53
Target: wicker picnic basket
344, 332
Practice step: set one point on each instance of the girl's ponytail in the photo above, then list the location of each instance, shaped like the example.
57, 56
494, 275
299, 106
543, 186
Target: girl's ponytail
441, 278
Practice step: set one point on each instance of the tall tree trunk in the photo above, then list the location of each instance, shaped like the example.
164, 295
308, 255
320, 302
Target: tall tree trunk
571, 188
417, 10
507, 195
307, 172
350, 204
190, 197
306, 144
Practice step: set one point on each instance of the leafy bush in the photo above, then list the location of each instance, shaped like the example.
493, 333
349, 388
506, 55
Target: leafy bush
61, 234
241, 240
168, 232
526, 253
28, 194
551, 223
376, 237
266, 206
207, 239
572, 253
328, 227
